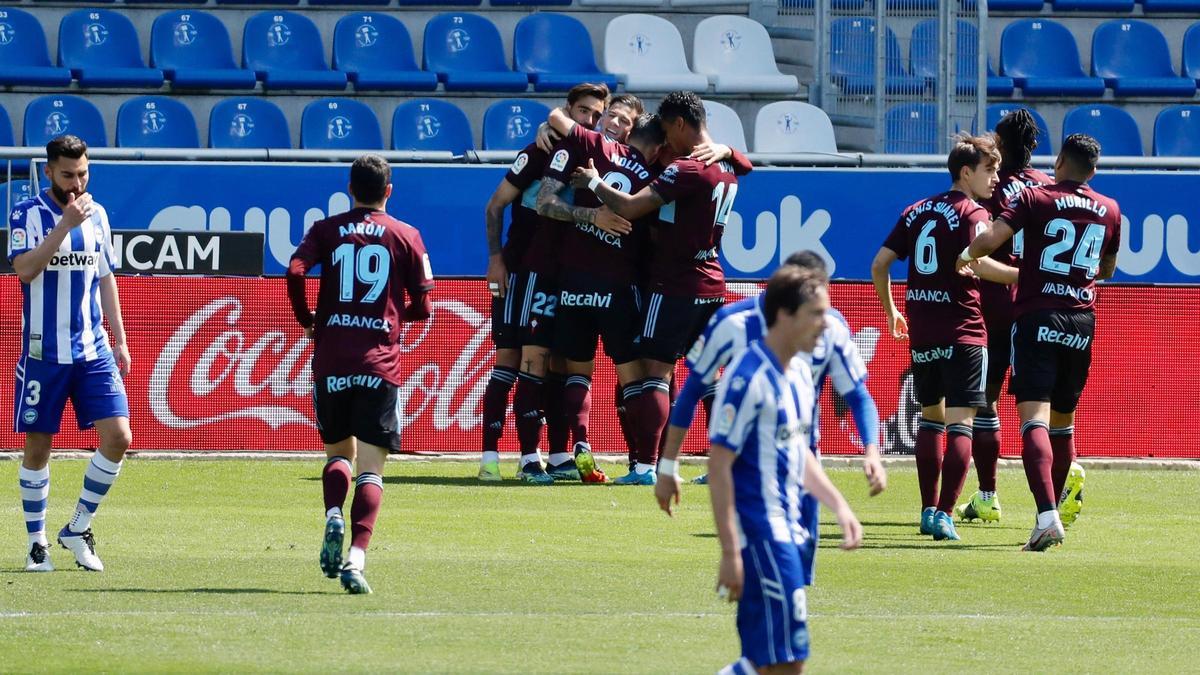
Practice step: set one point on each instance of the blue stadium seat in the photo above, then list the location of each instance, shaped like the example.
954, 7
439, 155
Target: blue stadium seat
1116, 129
1177, 131
1133, 58
284, 48
376, 53
996, 111
924, 58
47, 117
459, 3
14, 192
847, 5
339, 124
556, 50
258, 2
24, 58
1191, 53
1175, 6
6, 132
1122, 6
248, 123
996, 84
911, 129
1042, 58
156, 122
1014, 5
348, 2
510, 3
466, 52
852, 59
101, 48
195, 52
512, 123
431, 124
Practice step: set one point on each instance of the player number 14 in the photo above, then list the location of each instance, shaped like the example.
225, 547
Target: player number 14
370, 265
723, 194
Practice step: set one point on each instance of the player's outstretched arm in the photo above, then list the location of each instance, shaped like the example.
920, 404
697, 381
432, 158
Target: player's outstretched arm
497, 273
866, 420
983, 245
720, 488
550, 204
993, 270
882, 277
110, 304
627, 206
819, 485
560, 122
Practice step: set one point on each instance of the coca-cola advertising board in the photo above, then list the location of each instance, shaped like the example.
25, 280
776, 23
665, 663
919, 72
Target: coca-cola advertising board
220, 364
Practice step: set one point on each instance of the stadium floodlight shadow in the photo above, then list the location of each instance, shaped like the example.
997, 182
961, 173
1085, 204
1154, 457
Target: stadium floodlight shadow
203, 590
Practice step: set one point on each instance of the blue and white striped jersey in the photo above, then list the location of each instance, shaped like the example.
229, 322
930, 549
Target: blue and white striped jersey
835, 357
62, 322
764, 413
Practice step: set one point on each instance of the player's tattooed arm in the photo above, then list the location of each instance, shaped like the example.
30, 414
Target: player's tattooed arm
1108, 267
551, 205
625, 205
497, 273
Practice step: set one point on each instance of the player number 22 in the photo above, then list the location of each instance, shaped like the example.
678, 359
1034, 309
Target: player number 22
1087, 253
370, 265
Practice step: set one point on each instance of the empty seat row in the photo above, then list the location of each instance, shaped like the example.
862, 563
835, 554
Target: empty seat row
1039, 55
373, 51
457, 3
911, 128
1149, 6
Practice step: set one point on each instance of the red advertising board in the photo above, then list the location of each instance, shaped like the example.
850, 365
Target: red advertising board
220, 364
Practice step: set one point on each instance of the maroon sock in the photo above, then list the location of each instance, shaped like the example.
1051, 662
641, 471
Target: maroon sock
954, 466
368, 495
630, 393
985, 448
653, 409
662, 433
558, 434
1037, 456
1062, 446
495, 404
527, 408
623, 418
335, 482
577, 403
929, 459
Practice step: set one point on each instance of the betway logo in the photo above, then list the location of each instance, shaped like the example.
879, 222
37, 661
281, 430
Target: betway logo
569, 299
776, 236
75, 260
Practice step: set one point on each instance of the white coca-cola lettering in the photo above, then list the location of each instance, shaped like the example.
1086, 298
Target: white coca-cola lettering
471, 364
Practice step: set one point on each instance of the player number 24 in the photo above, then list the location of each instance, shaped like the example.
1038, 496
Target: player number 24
370, 265
1087, 253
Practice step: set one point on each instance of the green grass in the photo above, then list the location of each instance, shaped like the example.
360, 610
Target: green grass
213, 566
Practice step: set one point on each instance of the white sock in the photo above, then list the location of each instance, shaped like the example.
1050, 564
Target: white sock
985, 495
641, 469
558, 458
490, 456
35, 491
99, 477
531, 457
357, 558
334, 512
1047, 518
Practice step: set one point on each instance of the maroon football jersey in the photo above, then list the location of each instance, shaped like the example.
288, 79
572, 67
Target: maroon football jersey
942, 305
698, 200
1068, 227
585, 247
525, 174
369, 261
997, 299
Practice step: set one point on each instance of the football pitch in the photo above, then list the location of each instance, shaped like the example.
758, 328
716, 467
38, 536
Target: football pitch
212, 566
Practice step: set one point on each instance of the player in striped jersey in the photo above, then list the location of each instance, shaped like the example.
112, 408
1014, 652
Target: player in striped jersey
760, 467
60, 246
726, 336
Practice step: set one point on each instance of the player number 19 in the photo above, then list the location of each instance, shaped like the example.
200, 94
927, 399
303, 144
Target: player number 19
369, 266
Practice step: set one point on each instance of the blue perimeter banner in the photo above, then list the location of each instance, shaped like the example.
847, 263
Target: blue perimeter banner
844, 214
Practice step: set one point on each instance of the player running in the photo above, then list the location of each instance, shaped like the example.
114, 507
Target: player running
725, 337
369, 262
761, 468
60, 246
528, 254
948, 337
1016, 138
1071, 237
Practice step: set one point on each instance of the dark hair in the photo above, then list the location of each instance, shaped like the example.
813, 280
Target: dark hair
369, 178
71, 147
648, 129
970, 151
629, 101
592, 89
807, 260
1081, 151
788, 289
683, 104
1018, 133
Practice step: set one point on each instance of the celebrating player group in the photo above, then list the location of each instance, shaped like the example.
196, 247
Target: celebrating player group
614, 238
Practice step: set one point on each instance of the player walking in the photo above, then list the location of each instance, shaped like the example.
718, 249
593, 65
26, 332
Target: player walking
60, 246
1071, 235
369, 263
